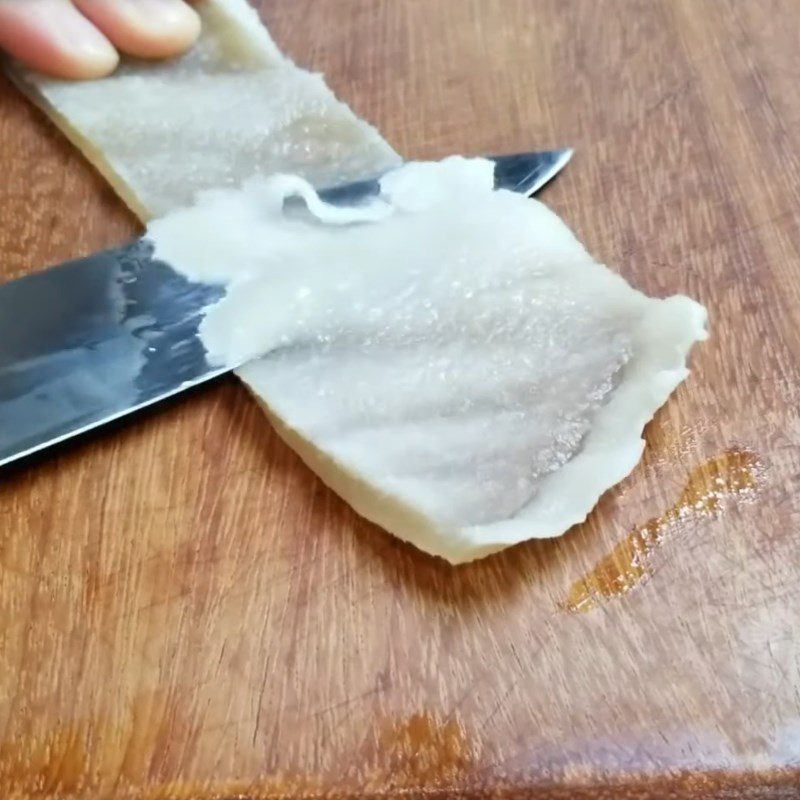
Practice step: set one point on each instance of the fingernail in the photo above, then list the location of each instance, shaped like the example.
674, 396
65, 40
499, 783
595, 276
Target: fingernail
80, 41
146, 28
53, 37
163, 19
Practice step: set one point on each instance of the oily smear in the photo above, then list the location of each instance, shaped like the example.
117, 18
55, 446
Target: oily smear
420, 752
735, 473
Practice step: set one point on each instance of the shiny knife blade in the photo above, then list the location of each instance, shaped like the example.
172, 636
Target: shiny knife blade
94, 339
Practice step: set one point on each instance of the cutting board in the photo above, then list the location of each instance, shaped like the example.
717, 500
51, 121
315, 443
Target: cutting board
187, 612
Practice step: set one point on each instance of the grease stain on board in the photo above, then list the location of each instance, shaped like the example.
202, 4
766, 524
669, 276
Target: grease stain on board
90, 759
53, 765
733, 474
422, 750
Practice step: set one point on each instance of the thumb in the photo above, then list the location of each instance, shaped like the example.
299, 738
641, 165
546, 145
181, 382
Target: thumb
52, 36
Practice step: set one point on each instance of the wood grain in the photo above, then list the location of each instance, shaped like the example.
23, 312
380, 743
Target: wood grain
186, 612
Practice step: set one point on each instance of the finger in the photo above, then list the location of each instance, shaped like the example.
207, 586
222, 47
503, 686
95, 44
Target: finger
145, 28
52, 36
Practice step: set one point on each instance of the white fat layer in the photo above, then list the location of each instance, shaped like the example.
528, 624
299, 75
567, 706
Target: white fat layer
448, 357
231, 108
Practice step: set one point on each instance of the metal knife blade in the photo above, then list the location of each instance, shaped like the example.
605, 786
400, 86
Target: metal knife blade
94, 339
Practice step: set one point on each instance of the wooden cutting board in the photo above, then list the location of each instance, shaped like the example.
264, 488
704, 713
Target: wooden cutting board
186, 612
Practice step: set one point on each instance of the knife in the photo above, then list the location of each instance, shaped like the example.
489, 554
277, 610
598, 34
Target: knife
94, 339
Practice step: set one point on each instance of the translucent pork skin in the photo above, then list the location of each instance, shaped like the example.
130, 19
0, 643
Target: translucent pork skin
261, 115
461, 394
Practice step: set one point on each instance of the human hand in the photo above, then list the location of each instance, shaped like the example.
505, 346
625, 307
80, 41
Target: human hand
80, 39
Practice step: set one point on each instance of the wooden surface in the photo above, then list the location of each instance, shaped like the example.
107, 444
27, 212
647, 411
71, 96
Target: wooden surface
185, 611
